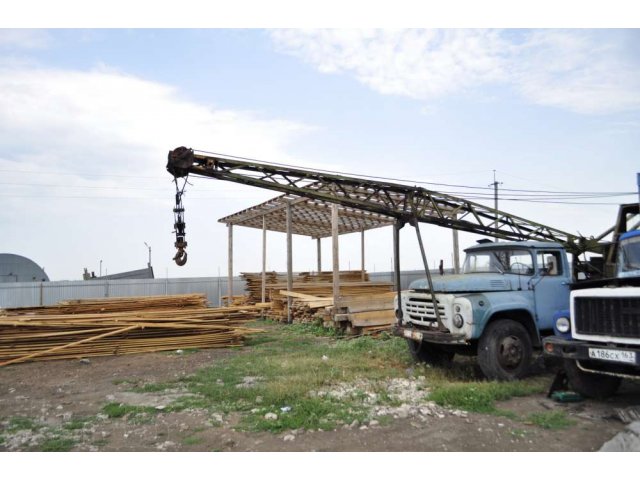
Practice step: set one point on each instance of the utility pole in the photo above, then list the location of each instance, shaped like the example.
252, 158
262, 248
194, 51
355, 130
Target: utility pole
495, 199
149, 263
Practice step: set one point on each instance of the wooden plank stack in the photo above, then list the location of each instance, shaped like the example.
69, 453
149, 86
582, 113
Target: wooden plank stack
276, 281
125, 325
302, 311
254, 284
364, 307
365, 314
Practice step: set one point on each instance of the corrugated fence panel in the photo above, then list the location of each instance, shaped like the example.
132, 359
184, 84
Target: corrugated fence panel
135, 288
55, 292
23, 294
32, 294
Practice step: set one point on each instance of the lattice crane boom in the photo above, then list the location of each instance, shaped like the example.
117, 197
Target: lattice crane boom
405, 203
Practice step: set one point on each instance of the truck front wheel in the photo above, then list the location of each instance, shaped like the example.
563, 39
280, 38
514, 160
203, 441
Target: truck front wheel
504, 350
588, 384
428, 353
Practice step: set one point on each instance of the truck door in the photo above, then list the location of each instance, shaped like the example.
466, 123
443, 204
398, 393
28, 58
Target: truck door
550, 285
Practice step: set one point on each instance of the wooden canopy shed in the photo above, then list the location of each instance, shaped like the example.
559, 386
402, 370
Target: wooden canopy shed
303, 216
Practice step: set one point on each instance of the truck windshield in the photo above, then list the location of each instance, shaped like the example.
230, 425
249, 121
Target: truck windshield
629, 257
519, 262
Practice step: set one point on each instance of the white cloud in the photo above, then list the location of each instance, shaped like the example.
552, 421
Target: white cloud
421, 64
583, 71
113, 120
24, 38
98, 123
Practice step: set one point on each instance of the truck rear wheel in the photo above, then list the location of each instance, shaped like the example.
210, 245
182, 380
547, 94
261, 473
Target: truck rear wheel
504, 350
428, 353
588, 384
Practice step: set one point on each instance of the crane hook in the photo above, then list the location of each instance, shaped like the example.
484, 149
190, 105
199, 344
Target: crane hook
180, 257
179, 225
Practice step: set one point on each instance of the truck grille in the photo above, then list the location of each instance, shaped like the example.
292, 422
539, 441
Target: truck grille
421, 309
611, 316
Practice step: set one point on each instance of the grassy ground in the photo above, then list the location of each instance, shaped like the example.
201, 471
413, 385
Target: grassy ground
286, 379
285, 368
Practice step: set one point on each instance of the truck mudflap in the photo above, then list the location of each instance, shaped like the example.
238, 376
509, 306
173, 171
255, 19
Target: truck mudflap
431, 336
596, 357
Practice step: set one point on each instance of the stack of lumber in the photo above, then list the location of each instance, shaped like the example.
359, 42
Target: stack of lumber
345, 276
275, 280
113, 304
253, 283
236, 300
115, 326
309, 301
364, 314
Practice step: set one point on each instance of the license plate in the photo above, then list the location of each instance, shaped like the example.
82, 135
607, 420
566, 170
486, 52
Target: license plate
412, 334
612, 355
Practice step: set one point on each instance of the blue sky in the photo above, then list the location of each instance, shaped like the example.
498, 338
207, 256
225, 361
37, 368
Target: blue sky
88, 115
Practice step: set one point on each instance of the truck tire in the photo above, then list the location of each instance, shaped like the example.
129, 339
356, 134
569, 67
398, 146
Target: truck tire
588, 384
424, 352
504, 350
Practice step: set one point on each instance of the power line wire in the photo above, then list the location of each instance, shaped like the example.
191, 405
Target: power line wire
475, 195
469, 187
337, 172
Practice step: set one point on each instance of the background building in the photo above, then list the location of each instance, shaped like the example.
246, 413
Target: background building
16, 268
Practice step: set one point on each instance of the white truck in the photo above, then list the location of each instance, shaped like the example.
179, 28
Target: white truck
599, 336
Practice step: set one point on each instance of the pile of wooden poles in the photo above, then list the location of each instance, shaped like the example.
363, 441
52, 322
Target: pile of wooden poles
125, 325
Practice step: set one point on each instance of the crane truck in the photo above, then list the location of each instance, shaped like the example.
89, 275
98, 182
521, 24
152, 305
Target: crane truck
496, 309
598, 336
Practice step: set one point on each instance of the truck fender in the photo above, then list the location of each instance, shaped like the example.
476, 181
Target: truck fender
518, 314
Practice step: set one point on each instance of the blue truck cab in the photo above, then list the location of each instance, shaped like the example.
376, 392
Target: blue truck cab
498, 308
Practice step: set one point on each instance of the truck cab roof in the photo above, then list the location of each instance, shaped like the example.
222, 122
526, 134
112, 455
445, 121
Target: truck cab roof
631, 234
522, 244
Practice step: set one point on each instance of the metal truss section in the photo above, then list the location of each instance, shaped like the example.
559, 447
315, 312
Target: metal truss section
404, 203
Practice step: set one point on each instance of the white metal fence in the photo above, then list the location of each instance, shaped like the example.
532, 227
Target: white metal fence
33, 294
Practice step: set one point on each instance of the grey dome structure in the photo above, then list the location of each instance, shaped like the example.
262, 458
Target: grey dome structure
16, 268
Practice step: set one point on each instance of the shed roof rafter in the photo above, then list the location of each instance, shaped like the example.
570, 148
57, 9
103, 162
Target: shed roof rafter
310, 217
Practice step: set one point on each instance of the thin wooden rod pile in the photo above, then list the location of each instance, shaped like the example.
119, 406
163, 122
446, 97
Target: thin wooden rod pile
115, 304
125, 325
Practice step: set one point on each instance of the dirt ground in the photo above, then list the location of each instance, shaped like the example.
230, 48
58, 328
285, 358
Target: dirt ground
55, 393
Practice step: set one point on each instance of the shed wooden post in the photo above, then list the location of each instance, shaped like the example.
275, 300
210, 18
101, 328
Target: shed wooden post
362, 255
264, 258
289, 262
336, 252
396, 269
230, 266
319, 254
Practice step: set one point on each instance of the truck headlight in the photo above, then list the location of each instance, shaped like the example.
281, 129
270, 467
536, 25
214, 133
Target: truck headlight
563, 325
458, 320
